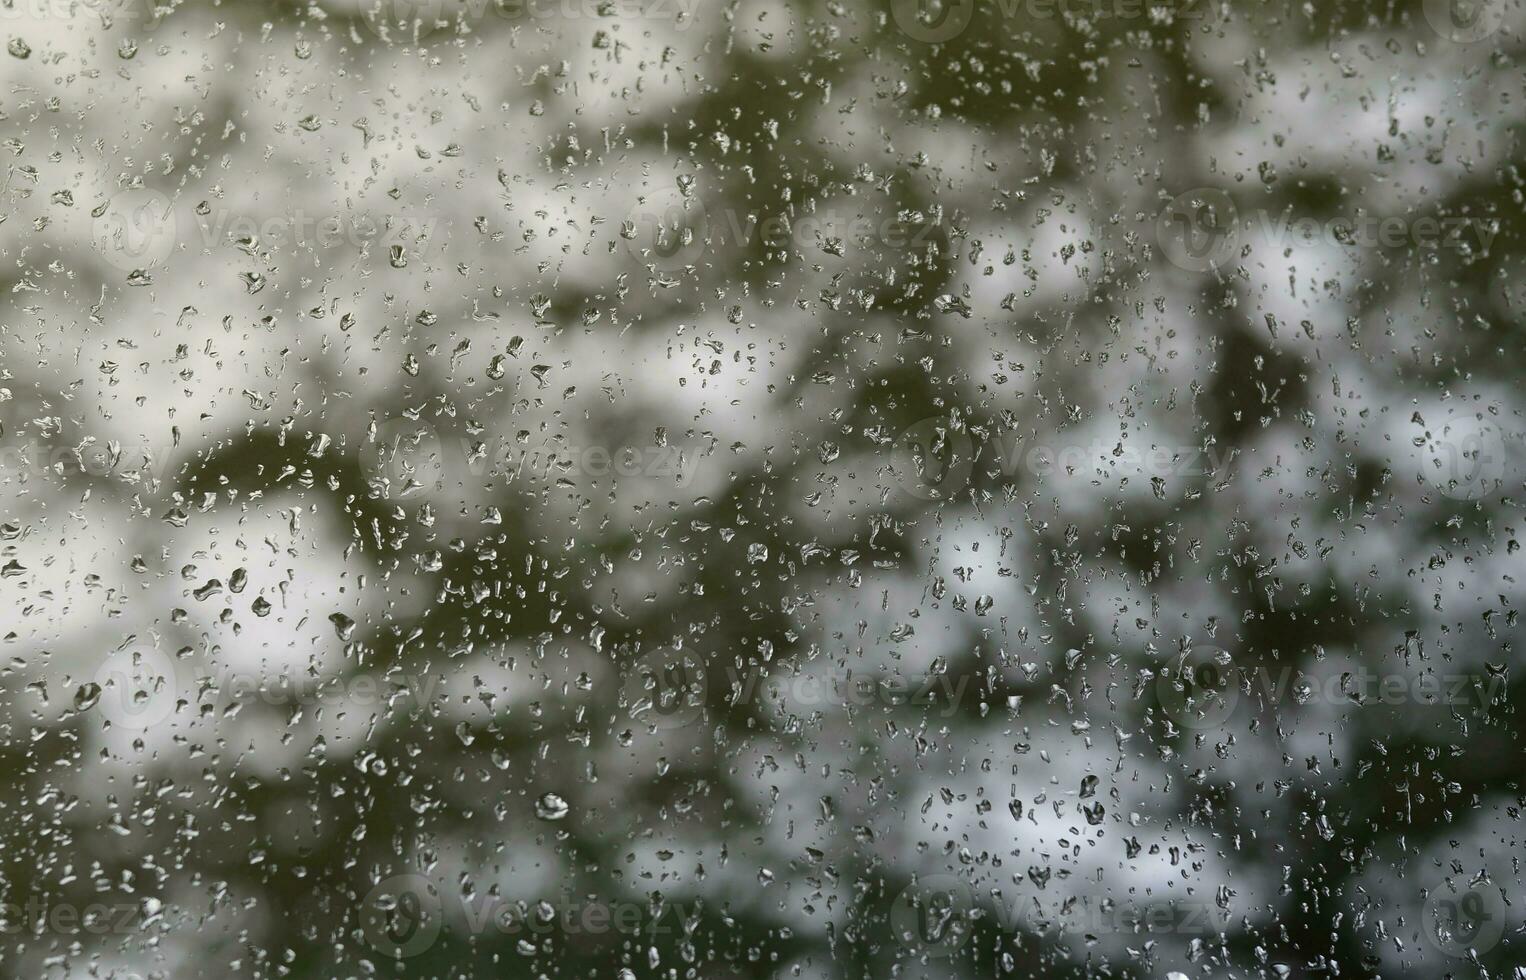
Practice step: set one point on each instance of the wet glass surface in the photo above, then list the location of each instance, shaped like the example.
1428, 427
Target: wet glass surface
693, 489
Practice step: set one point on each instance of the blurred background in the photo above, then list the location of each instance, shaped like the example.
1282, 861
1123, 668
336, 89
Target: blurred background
756, 488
